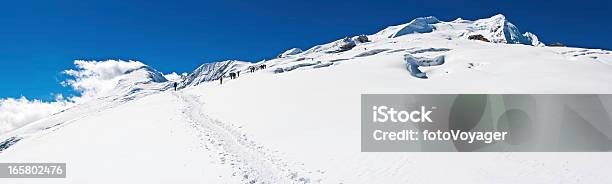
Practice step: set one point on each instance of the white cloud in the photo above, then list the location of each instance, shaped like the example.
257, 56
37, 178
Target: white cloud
89, 78
15, 113
174, 76
94, 77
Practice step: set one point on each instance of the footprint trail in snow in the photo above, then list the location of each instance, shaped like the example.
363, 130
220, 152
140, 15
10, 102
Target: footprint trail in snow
250, 162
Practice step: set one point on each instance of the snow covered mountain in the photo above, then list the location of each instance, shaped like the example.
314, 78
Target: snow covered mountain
212, 71
142, 80
109, 80
497, 29
296, 120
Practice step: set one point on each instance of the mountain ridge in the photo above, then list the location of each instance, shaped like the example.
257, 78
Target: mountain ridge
496, 28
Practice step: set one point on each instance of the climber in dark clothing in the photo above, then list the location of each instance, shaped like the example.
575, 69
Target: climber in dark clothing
175, 85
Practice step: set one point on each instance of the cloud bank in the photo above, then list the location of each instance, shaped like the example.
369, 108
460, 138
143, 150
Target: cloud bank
88, 78
15, 113
174, 77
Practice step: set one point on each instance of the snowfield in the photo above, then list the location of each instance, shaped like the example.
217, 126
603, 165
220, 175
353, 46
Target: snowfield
298, 120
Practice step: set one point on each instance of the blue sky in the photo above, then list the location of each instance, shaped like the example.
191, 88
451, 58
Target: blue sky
39, 39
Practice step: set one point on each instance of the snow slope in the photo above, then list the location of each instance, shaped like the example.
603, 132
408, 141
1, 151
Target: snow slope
292, 51
302, 125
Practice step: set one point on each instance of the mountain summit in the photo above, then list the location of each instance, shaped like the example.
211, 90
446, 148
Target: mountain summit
497, 29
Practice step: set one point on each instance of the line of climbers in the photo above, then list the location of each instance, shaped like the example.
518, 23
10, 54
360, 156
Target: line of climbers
234, 75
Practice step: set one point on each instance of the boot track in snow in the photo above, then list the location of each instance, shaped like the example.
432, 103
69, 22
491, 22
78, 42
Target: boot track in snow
251, 162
